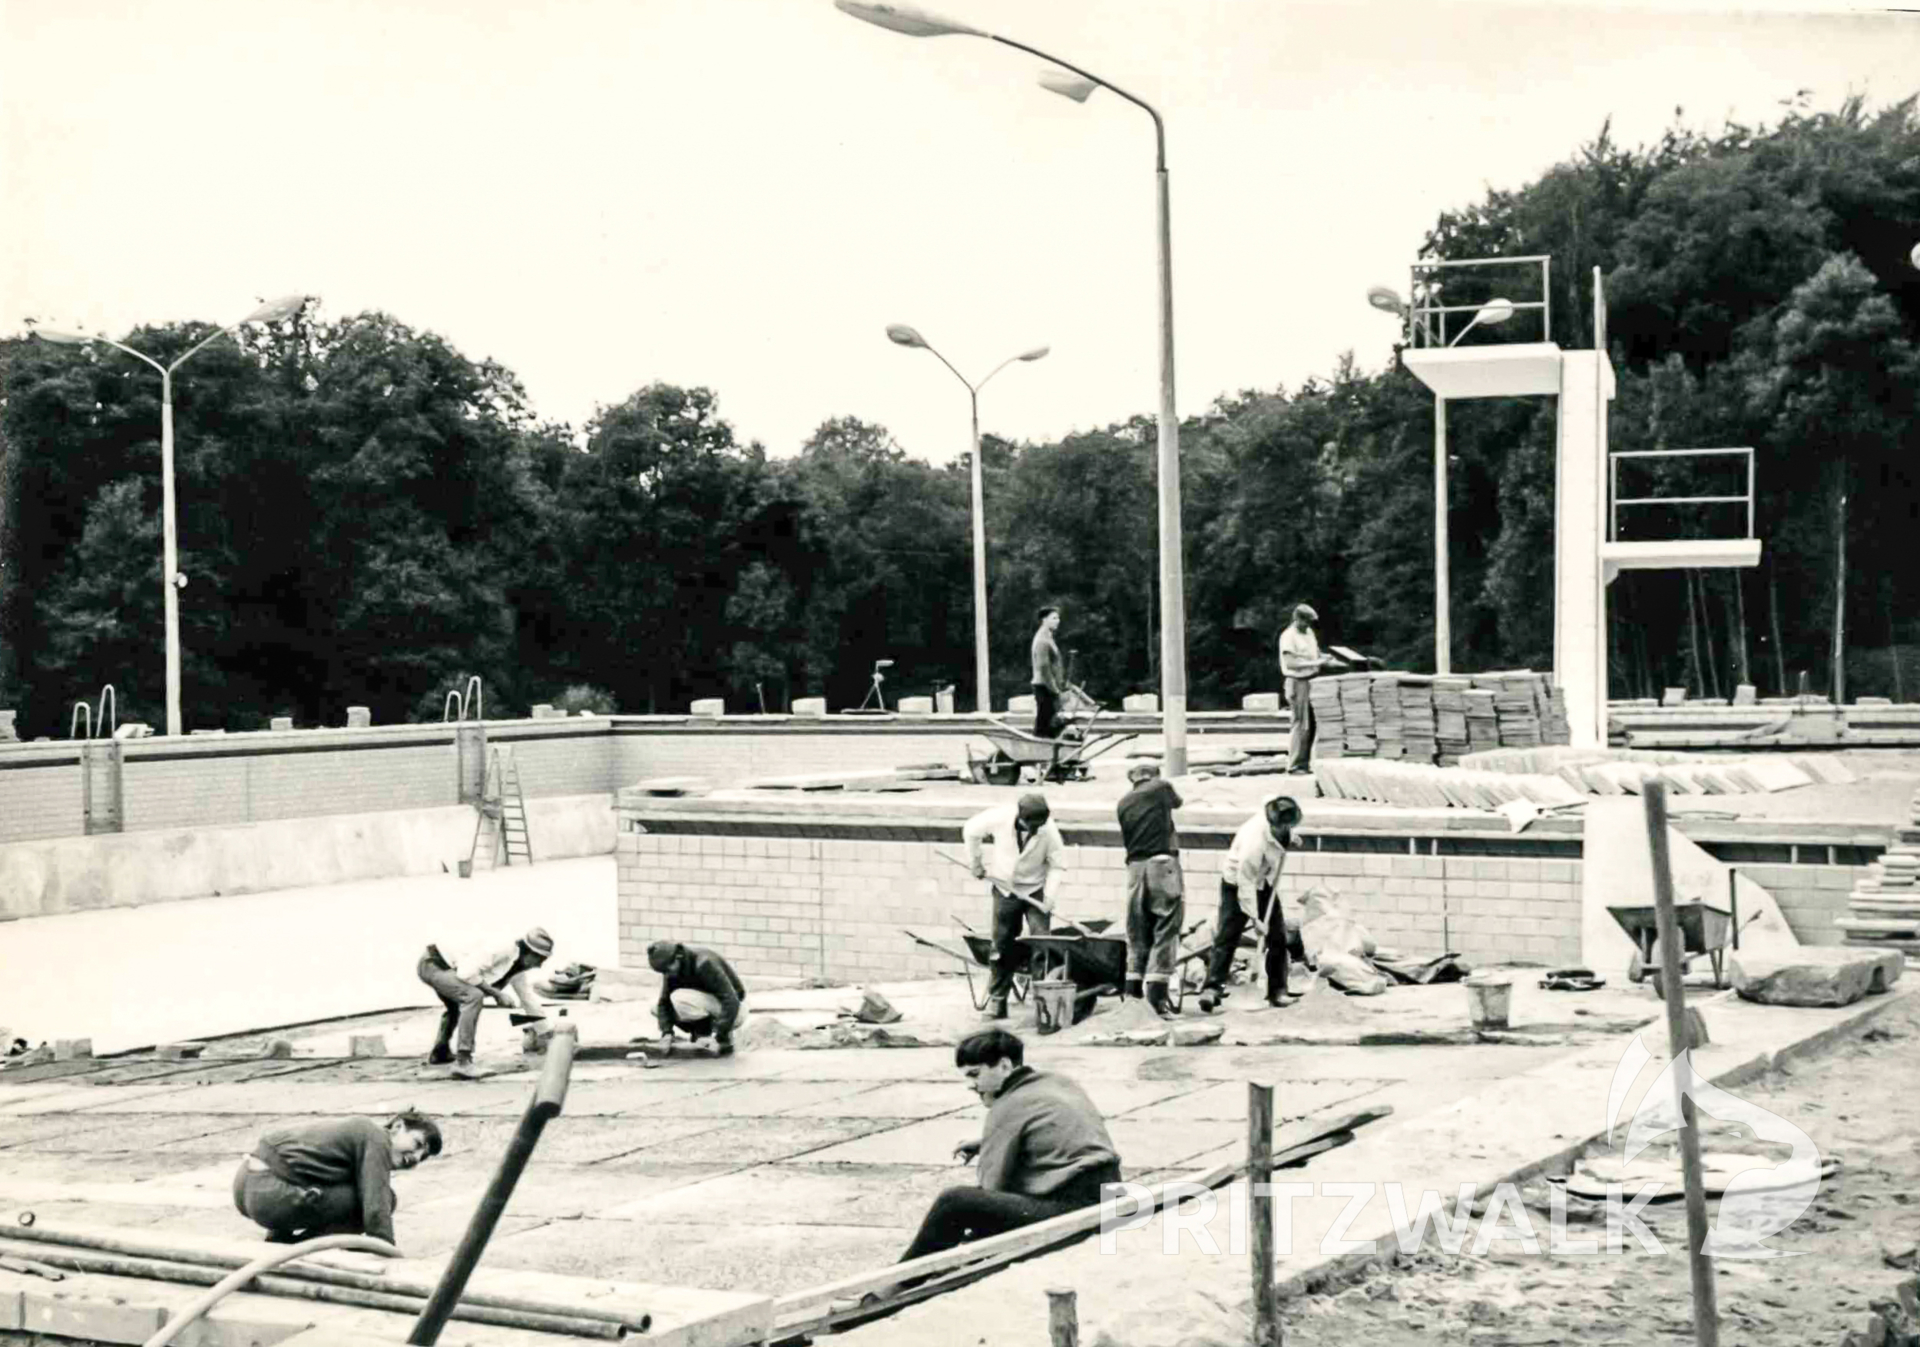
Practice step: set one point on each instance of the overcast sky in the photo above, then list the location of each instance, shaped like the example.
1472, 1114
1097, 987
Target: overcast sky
743, 193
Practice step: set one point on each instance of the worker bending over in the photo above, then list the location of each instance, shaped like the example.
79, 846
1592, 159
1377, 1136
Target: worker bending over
700, 994
1044, 1151
1028, 854
1250, 881
330, 1177
476, 978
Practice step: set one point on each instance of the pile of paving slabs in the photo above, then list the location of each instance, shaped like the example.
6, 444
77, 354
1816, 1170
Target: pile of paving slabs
1884, 906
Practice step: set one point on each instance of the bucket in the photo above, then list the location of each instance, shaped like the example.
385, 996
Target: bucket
1490, 1000
466, 869
1052, 1005
943, 701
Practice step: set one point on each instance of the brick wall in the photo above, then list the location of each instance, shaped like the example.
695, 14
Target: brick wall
1810, 897
40, 793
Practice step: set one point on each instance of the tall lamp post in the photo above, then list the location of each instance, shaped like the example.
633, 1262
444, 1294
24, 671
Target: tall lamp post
916, 22
173, 582
903, 335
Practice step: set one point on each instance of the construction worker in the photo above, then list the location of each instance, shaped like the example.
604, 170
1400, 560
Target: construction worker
331, 1176
1155, 889
1300, 660
1249, 880
1028, 854
464, 986
700, 994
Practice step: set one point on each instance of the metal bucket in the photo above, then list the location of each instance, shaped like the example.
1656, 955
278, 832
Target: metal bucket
466, 869
1052, 1005
1489, 1000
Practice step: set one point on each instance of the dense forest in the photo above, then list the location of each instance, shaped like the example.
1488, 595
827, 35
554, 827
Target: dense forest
368, 517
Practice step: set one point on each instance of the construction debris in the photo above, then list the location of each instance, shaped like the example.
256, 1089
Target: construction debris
1815, 975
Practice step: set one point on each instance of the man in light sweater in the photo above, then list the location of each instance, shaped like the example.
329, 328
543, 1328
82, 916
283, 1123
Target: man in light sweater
1249, 879
1028, 854
1044, 1151
462, 986
331, 1176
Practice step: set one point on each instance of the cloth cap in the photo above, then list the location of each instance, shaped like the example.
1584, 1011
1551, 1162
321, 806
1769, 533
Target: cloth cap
1283, 810
661, 954
1140, 771
538, 941
1304, 611
1033, 808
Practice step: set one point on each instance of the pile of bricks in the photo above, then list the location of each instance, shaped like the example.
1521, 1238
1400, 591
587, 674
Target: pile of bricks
1884, 907
1426, 719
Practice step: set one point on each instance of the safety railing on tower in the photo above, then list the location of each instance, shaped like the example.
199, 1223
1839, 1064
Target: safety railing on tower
1469, 290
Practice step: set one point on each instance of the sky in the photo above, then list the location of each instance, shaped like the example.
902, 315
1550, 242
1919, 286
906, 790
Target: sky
742, 194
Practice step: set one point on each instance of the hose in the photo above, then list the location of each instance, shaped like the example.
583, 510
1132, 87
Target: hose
273, 1258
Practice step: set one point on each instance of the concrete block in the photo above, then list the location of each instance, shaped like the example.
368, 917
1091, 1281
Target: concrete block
280, 723
10, 1311
65, 1314
1260, 701
181, 1052
1820, 975
810, 706
1020, 706
278, 1050
915, 706
191, 733
1744, 695
1673, 697
359, 717
1141, 701
543, 711
711, 707
366, 1045
72, 1049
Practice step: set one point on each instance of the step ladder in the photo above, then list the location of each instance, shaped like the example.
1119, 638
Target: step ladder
500, 830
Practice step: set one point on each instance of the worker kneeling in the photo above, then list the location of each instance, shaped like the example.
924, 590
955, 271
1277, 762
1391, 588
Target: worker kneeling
1045, 1149
330, 1177
700, 994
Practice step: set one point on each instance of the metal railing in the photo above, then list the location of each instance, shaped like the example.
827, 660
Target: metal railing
1613, 493
462, 701
106, 719
1427, 317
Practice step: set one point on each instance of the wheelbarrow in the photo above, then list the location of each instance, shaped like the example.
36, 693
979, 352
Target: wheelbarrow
1066, 758
975, 955
1097, 962
1703, 929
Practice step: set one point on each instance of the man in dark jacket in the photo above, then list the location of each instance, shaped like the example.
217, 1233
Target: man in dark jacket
1156, 900
330, 1177
1044, 1151
700, 994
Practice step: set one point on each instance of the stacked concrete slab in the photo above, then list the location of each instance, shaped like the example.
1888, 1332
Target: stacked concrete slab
1420, 718
1884, 908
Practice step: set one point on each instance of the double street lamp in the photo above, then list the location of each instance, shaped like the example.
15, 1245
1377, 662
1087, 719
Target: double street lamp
903, 335
173, 582
916, 22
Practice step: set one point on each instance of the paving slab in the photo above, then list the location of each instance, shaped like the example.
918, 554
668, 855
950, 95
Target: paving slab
1227, 1100
747, 1142
744, 1099
567, 1140
796, 1192
280, 1096
928, 1142
170, 1132
902, 1099
70, 1099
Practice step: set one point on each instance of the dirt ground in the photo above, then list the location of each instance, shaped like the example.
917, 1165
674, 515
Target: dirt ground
1859, 1103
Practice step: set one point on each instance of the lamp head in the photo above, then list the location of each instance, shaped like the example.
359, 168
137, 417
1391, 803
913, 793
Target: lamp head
908, 19
1494, 311
1067, 85
1037, 353
1387, 301
275, 310
902, 335
59, 336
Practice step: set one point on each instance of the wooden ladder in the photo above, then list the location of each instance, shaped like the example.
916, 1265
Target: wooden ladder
502, 816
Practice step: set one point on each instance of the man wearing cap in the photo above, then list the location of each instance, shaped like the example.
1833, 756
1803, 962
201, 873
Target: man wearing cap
330, 1176
1028, 852
1251, 871
1155, 889
463, 986
1300, 660
700, 994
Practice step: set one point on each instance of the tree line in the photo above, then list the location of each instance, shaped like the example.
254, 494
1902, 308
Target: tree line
368, 517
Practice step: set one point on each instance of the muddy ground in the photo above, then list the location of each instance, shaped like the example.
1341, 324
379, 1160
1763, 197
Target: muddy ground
1859, 1103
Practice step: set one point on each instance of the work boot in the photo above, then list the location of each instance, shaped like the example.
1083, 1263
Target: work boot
1134, 990
440, 1056
724, 1048
464, 1069
1157, 1001
996, 1009
1211, 998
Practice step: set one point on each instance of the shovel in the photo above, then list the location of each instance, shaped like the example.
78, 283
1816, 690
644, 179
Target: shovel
1066, 923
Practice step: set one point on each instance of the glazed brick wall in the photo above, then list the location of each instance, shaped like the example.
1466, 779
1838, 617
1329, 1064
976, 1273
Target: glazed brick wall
1810, 897
40, 795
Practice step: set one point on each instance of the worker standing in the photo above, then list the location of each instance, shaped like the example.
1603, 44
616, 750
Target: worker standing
1028, 854
700, 994
464, 986
1300, 660
1049, 676
330, 1176
1250, 880
1155, 889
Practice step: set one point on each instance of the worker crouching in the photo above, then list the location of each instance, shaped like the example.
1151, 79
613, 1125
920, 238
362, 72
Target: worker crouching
700, 994
331, 1177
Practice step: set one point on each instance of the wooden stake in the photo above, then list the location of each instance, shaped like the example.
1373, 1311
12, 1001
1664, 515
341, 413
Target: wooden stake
1063, 1317
1266, 1302
1706, 1314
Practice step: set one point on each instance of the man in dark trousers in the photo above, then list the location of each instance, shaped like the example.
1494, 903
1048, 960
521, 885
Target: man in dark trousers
462, 986
330, 1177
1249, 879
1049, 676
1044, 1150
1028, 855
1155, 890
700, 994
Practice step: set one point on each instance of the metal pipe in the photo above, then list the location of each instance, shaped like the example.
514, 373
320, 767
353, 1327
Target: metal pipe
1442, 618
168, 550
548, 1099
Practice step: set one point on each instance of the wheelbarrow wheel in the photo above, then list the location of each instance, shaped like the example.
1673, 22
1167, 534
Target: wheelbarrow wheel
1000, 773
1636, 970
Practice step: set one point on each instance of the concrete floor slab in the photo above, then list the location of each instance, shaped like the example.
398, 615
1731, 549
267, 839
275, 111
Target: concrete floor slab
150, 1132
902, 1099
875, 1064
1227, 1101
21, 1165
279, 1096
929, 1142
744, 1099
574, 1140
744, 1142
22, 1132
125, 1098
1167, 1145
895, 1196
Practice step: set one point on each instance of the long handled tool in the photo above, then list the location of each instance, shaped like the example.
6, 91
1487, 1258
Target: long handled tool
1066, 923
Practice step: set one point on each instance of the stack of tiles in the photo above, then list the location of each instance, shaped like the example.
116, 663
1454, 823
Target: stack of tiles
1329, 718
1356, 705
1450, 718
1553, 726
1884, 907
1389, 726
1417, 723
1483, 722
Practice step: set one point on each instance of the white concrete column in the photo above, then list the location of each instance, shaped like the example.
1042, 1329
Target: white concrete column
1580, 526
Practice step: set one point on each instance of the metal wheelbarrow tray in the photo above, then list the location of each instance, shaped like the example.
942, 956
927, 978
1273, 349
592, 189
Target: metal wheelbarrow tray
1053, 760
1703, 929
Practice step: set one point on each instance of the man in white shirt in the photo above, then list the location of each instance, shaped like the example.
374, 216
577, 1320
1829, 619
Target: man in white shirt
1028, 852
463, 985
1300, 660
1249, 878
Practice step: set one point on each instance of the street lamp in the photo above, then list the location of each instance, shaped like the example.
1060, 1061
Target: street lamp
171, 579
916, 22
902, 335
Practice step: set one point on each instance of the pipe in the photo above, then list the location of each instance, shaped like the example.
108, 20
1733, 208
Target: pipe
548, 1098
272, 1258
329, 1276
294, 1288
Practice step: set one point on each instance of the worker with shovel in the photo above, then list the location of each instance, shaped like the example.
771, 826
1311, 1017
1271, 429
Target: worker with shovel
464, 986
1028, 853
1249, 880
330, 1176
